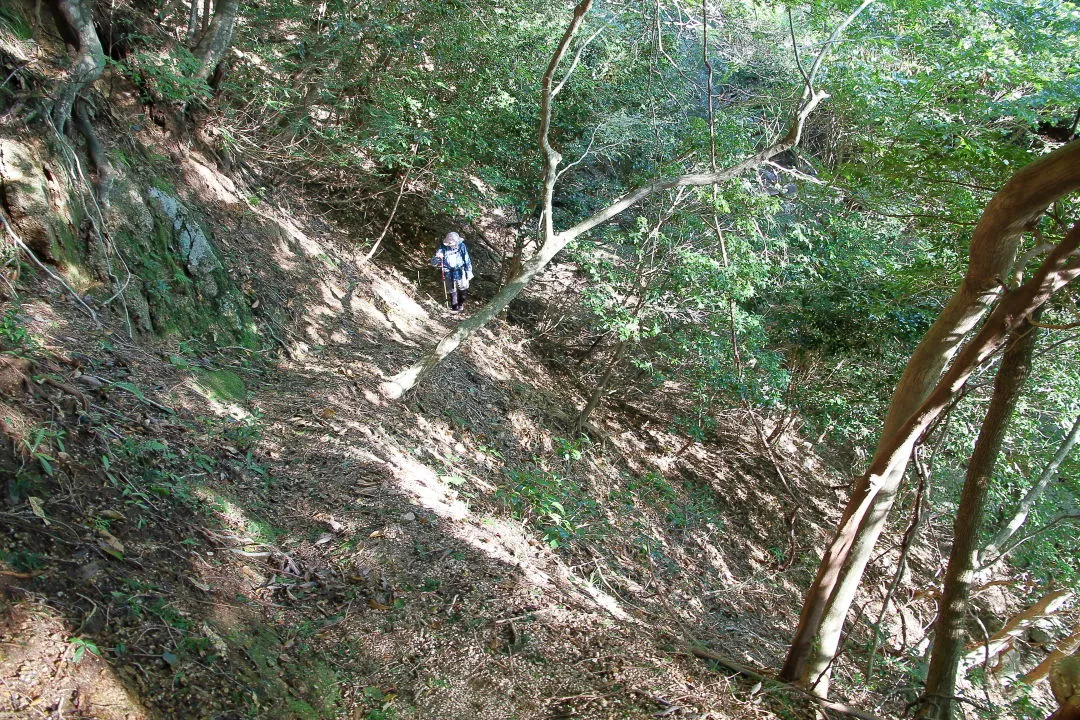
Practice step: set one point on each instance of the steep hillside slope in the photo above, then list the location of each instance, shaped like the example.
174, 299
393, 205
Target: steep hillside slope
227, 520
210, 511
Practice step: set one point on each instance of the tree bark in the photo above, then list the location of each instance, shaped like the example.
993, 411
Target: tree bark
554, 242
601, 385
1065, 647
1017, 625
89, 62
955, 597
1065, 684
99, 159
217, 38
993, 549
192, 23
993, 248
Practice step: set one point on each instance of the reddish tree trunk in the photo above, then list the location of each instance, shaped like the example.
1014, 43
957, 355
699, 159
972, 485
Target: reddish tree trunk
993, 248
956, 593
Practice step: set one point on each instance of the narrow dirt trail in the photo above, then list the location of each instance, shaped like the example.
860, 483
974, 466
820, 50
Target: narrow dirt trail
456, 603
237, 536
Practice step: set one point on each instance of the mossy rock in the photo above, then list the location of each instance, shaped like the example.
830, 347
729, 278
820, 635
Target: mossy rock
320, 684
40, 202
168, 245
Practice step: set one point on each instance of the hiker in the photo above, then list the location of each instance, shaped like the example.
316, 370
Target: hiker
453, 258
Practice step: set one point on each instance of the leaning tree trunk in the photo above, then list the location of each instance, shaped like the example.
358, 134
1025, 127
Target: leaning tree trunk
192, 23
1065, 683
405, 380
601, 386
554, 242
1065, 647
993, 249
993, 549
89, 62
956, 593
217, 38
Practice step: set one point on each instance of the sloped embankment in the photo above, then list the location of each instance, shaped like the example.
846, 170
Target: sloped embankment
244, 528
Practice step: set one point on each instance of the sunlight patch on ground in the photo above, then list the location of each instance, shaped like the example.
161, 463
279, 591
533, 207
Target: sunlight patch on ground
283, 255
228, 511
598, 596
15, 421
218, 406
332, 294
311, 248
495, 537
43, 322
425, 485
501, 539
398, 300
213, 186
384, 305
491, 356
290, 241
87, 688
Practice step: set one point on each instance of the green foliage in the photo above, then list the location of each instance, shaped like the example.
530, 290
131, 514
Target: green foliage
80, 646
654, 488
382, 701
1023, 705
144, 470
15, 337
23, 561
41, 444
163, 76
14, 22
246, 432
557, 504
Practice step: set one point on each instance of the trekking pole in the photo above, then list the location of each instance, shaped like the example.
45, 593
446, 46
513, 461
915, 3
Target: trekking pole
442, 271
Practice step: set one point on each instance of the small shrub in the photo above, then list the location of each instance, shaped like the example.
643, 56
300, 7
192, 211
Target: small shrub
558, 505
13, 21
14, 336
165, 76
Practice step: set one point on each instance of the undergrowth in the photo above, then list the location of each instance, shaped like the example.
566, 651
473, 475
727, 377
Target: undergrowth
554, 494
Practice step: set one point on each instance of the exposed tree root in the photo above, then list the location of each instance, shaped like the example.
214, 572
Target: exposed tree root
844, 709
98, 158
30, 253
76, 22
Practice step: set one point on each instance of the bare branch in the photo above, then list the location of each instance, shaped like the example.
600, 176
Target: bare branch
584, 155
833, 40
577, 59
795, 49
551, 155
553, 242
796, 173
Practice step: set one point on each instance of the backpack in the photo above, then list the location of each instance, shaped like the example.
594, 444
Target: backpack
453, 257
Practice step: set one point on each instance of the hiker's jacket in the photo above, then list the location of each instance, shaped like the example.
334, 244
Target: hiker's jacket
455, 261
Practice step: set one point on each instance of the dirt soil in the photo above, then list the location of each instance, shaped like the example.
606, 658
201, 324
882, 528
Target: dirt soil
192, 531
